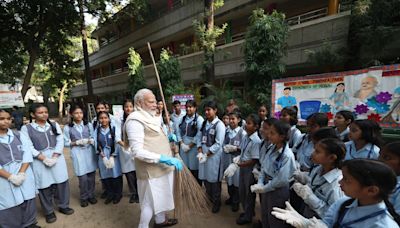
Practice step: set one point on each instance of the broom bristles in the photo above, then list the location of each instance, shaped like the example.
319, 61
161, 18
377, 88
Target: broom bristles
189, 196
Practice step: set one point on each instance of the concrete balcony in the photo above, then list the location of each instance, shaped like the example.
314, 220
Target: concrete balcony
229, 60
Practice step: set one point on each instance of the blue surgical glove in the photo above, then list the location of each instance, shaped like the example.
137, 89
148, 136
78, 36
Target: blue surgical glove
172, 137
171, 161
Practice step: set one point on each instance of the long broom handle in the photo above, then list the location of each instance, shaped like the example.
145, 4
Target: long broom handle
162, 96
159, 83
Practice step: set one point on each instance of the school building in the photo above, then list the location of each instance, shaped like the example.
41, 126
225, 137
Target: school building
313, 23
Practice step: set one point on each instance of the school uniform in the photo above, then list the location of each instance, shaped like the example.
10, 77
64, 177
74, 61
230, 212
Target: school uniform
112, 178
83, 157
17, 203
264, 148
394, 198
189, 133
177, 119
294, 136
277, 167
303, 150
128, 168
212, 138
52, 182
250, 150
344, 135
369, 151
326, 187
375, 215
232, 137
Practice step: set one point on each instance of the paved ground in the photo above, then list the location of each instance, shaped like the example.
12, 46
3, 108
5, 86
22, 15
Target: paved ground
124, 214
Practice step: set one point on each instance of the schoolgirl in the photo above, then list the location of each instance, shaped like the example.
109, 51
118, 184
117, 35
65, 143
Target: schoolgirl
106, 139
322, 188
45, 141
127, 163
304, 148
78, 136
17, 182
277, 168
342, 121
390, 154
209, 151
233, 139
250, 153
188, 136
289, 115
365, 136
368, 183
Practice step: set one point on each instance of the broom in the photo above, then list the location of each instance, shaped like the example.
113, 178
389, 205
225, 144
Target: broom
189, 196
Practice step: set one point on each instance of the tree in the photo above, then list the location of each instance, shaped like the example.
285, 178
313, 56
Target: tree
137, 9
170, 74
207, 34
33, 27
136, 72
374, 25
264, 48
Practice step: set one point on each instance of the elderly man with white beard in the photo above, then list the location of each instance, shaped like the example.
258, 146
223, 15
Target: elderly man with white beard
155, 165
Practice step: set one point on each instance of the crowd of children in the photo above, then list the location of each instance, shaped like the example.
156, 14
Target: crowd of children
341, 176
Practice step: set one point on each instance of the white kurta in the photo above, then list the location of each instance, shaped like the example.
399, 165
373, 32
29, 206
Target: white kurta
160, 188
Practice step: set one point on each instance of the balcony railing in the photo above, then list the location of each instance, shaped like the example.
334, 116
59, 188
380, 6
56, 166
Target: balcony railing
309, 16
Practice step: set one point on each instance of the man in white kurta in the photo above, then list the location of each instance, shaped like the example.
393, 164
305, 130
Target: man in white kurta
153, 159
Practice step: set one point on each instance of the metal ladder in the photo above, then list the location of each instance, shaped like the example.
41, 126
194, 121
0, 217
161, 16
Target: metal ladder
92, 111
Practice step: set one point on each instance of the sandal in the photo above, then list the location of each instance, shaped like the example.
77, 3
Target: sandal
168, 222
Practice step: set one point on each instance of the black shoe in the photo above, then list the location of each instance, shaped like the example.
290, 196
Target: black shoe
136, 198
103, 195
258, 224
228, 201
242, 221
215, 208
66, 211
168, 222
50, 218
235, 207
116, 200
132, 199
108, 200
92, 200
84, 203
33, 226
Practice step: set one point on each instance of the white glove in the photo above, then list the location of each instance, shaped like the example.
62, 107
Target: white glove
256, 173
291, 216
185, 147
230, 171
230, 148
79, 142
236, 159
303, 191
257, 188
85, 141
202, 158
111, 162
106, 162
50, 162
301, 177
91, 141
17, 179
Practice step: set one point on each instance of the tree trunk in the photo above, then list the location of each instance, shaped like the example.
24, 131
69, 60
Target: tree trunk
209, 53
33, 55
61, 100
85, 51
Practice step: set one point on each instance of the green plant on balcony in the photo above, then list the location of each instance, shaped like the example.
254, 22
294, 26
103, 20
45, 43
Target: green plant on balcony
136, 72
207, 34
265, 46
170, 74
327, 57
